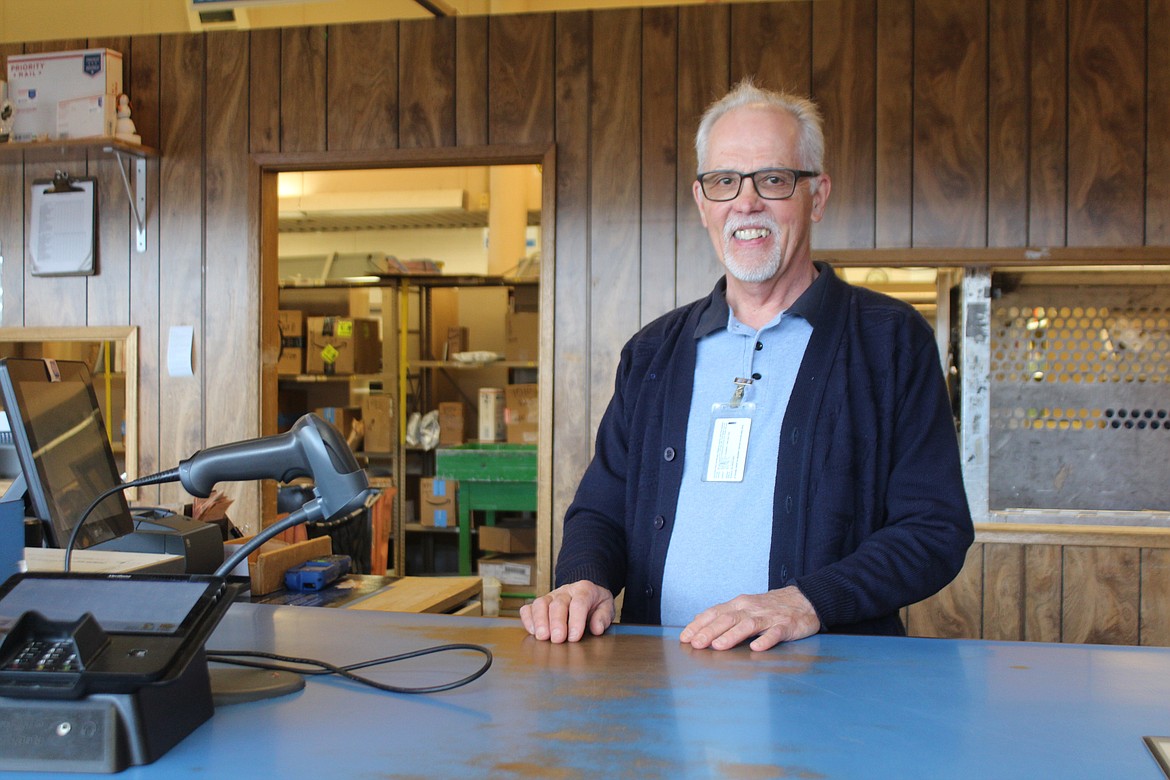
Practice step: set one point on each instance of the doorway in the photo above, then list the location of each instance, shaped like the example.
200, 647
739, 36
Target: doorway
429, 249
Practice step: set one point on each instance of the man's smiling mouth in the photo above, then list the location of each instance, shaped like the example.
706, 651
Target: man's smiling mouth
751, 234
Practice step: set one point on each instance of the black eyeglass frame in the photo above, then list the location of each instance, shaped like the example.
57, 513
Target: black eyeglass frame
797, 175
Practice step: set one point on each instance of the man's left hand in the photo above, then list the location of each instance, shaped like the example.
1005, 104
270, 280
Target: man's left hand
776, 616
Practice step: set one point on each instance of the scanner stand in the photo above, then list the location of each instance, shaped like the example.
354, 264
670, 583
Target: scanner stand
104, 732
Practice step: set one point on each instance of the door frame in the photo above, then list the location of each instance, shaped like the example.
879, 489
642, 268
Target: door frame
270, 164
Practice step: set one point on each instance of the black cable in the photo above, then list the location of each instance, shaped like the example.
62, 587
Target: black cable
236, 657
152, 479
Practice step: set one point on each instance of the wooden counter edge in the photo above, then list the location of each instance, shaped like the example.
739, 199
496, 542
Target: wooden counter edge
1078, 535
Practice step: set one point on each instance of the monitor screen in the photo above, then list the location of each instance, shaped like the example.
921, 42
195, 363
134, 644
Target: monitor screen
64, 453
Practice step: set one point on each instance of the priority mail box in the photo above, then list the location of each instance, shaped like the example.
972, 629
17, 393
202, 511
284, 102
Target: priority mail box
38, 85
85, 117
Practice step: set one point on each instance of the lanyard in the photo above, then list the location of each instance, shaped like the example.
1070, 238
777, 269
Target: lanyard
741, 384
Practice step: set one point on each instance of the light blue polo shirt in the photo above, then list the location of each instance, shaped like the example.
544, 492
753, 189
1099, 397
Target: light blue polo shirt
722, 537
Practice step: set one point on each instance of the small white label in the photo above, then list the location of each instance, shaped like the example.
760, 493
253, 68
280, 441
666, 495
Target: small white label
729, 443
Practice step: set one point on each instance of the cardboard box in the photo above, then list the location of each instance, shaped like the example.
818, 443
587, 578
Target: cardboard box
510, 605
378, 421
38, 83
439, 502
522, 331
342, 345
291, 323
521, 413
507, 539
492, 426
457, 341
525, 297
452, 423
86, 117
513, 571
340, 417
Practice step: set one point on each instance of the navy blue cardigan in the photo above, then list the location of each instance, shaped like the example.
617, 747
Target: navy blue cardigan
870, 513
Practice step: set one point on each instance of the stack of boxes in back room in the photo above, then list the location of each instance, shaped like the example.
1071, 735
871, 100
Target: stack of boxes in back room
342, 346
65, 94
508, 553
522, 329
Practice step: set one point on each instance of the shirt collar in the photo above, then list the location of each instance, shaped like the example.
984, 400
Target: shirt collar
809, 305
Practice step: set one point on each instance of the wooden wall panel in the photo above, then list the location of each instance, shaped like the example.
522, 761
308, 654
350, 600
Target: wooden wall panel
768, 44
52, 300
12, 225
659, 163
893, 132
1043, 586
702, 78
264, 91
182, 426
108, 292
940, 142
1003, 582
615, 236
471, 84
1155, 589
570, 380
520, 98
950, 123
844, 50
427, 87
143, 82
361, 86
956, 610
1100, 595
1048, 122
1007, 124
1158, 123
230, 278
303, 110
1106, 109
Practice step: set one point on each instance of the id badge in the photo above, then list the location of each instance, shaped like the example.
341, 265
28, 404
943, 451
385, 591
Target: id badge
727, 442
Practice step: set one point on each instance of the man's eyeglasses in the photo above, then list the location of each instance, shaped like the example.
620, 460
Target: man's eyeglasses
770, 183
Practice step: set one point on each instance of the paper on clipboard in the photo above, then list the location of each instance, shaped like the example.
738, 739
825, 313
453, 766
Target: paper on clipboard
62, 240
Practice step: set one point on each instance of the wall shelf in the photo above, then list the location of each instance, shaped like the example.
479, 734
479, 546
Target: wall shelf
131, 164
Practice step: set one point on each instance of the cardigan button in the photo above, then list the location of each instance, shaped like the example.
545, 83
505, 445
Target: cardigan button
650, 591
659, 522
788, 504
668, 454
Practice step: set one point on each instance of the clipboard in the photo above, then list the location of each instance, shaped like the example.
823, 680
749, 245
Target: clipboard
64, 219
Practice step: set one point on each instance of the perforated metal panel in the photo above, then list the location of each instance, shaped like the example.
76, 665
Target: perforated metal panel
1080, 398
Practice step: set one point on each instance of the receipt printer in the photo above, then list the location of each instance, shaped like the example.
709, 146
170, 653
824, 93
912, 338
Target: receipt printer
200, 544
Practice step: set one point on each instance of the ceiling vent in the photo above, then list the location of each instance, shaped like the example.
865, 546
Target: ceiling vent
209, 17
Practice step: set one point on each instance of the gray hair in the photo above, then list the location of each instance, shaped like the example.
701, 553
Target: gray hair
746, 93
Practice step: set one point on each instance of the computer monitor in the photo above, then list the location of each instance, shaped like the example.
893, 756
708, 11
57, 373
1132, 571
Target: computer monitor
63, 449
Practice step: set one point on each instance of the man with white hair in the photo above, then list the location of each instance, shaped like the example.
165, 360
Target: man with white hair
779, 458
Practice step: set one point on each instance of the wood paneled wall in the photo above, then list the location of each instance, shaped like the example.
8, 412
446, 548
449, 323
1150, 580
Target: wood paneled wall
1096, 585
950, 124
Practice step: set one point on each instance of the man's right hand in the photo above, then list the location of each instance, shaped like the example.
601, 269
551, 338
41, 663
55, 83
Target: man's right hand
563, 613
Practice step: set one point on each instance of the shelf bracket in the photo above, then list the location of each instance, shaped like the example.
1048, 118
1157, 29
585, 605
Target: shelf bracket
135, 184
